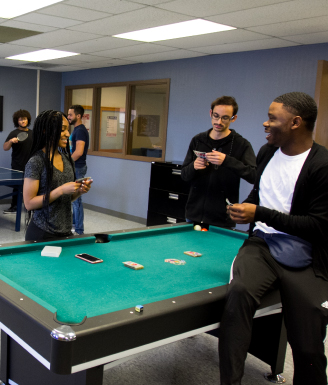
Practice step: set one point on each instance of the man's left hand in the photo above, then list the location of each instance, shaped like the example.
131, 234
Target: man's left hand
242, 213
215, 157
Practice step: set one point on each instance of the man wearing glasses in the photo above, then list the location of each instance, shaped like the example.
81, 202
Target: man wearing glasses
215, 162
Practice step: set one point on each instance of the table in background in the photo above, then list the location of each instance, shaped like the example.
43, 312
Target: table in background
63, 319
13, 178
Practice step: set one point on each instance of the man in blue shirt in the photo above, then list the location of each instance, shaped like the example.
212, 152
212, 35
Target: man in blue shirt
79, 148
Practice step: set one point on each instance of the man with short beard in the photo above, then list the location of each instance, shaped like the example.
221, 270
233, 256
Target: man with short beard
80, 144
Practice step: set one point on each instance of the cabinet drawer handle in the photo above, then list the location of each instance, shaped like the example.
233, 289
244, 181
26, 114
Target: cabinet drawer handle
171, 220
176, 172
174, 196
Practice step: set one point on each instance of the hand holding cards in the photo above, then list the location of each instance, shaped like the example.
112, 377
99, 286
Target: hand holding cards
200, 162
200, 154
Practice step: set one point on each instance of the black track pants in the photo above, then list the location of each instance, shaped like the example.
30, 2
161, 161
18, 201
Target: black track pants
302, 294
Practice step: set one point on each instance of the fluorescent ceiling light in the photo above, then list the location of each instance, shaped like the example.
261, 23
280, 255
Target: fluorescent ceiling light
42, 55
175, 31
14, 8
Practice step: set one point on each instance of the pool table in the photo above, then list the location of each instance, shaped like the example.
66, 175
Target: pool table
62, 319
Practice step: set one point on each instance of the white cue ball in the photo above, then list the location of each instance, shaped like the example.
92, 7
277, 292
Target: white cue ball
197, 228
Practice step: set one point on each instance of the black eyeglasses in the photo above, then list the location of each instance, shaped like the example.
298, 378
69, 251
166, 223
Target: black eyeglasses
224, 118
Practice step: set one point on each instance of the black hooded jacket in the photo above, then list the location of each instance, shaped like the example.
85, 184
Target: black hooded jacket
209, 188
308, 217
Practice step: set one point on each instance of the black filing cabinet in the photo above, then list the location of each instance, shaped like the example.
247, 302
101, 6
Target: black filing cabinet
168, 194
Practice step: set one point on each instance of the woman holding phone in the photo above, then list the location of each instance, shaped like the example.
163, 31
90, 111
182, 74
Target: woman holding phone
49, 182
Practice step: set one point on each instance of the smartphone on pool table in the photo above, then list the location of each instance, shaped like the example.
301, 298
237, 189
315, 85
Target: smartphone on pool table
89, 258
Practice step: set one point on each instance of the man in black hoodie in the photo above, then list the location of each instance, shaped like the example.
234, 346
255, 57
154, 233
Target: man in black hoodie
216, 178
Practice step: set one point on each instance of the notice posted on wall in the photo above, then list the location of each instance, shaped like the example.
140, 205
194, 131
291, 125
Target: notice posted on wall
111, 130
86, 121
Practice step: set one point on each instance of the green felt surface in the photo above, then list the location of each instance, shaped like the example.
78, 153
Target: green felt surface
76, 289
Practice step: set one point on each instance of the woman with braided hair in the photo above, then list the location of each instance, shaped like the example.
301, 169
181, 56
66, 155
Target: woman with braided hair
49, 182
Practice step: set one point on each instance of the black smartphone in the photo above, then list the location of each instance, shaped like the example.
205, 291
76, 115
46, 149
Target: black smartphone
89, 258
82, 179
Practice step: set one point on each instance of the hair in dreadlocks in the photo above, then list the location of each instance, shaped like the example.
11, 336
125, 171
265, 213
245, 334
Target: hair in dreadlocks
46, 134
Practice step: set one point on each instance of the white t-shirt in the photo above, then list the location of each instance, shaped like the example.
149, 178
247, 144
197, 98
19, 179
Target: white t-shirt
277, 184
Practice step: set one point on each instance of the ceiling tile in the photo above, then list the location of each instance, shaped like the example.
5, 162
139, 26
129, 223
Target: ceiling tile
51, 21
141, 49
57, 68
63, 61
214, 7
52, 39
311, 38
282, 12
108, 63
99, 44
312, 25
74, 13
110, 6
87, 58
28, 26
66, 69
131, 21
169, 55
225, 37
150, 2
8, 34
86, 27
11, 50
247, 46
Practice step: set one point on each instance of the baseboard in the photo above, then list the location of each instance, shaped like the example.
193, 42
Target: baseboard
5, 201
116, 214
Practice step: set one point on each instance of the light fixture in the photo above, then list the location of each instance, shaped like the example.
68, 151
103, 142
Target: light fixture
14, 8
175, 31
42, 55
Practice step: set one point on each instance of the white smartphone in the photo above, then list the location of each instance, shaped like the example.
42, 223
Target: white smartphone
89, 258
82, 179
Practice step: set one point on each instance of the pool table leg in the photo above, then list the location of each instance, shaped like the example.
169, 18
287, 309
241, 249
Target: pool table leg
269, 341
3, 362
22, 368
19, 207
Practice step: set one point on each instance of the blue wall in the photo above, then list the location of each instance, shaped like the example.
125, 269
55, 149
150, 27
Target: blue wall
253, 78
18, 87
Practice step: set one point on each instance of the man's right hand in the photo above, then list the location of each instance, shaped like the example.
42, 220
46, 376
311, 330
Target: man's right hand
200, 164
14, 140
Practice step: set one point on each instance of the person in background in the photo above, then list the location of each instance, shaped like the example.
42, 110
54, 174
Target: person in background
287, 245
79, 148
49, 183
216, 177
20, 149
